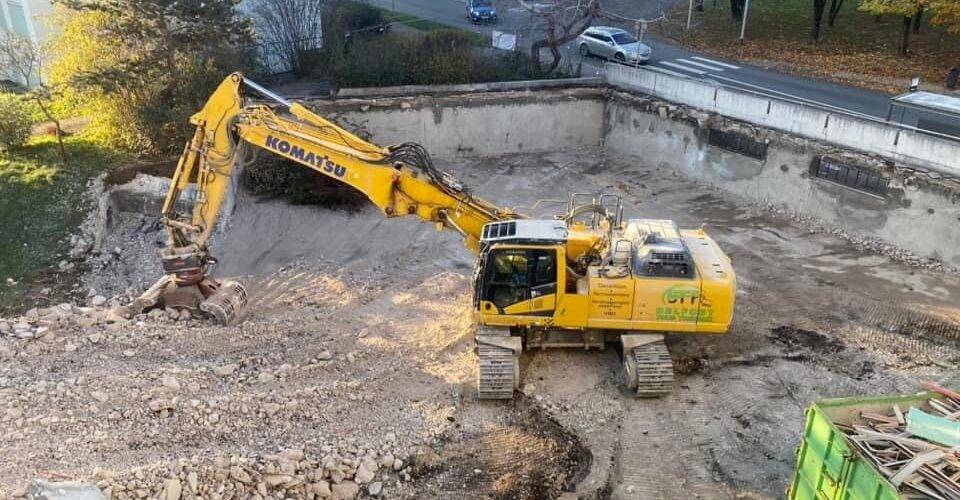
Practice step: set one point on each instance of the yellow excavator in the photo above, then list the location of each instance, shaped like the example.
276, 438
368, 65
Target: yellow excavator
581, 279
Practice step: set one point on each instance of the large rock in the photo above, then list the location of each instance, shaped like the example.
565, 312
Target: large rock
225, 370
366, 471
320, 489
171, 489
347, 490
424, 458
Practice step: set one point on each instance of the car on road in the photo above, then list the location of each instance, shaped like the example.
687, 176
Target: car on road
612, 43
481, 11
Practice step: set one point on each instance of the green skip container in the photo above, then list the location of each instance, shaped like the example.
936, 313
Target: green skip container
828, 466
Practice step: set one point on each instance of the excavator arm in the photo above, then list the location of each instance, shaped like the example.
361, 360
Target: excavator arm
400, 180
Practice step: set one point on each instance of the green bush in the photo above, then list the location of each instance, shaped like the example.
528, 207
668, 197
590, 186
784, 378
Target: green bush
16, 123
272, 176
444, 56
357, 16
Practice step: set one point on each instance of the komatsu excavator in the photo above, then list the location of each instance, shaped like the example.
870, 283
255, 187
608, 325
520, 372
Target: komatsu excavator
581, 279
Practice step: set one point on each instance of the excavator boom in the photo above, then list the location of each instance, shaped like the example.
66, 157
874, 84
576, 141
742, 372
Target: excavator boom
399, 180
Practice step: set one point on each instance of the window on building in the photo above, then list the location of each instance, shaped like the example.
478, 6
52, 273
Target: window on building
3, 21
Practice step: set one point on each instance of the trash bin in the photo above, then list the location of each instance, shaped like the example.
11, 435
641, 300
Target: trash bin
952, 76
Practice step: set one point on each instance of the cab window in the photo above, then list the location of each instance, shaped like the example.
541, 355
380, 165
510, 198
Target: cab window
544, 272
507, 281
516, 275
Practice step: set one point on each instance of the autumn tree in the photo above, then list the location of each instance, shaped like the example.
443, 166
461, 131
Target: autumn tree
835, 6
946, 13
918, 17
141, 67
818, 8
906, 9
561, 21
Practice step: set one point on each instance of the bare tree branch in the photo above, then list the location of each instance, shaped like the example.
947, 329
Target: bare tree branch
23, 58
565, 20
19, 58
290, 29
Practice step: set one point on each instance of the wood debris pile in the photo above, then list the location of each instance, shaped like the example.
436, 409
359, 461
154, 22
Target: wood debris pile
918, 467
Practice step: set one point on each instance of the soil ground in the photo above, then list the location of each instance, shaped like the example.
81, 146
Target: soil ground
358, 344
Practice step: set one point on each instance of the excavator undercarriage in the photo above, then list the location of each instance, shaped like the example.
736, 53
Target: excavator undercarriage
647, 364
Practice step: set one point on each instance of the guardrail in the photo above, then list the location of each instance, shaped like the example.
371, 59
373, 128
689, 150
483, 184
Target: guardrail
808, 118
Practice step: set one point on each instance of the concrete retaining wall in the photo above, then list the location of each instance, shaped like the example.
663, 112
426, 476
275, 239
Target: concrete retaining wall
483, 124
863, 134
919, 213
918, 205
410, 90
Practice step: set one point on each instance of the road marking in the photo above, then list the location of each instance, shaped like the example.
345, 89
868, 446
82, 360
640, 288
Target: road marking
798, 98
717, 63
684, 68
695, 63
658, 69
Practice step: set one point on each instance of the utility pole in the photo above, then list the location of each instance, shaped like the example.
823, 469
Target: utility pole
641, 27
689, 14
743, 27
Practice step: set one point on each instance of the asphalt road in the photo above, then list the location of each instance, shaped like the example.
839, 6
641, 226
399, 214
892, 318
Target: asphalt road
666, 57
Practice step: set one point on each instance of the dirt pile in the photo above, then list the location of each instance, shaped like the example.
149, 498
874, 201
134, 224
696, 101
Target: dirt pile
321, 393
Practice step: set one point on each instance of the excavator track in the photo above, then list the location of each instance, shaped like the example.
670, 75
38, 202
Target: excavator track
498, 373
649, 369
497, 378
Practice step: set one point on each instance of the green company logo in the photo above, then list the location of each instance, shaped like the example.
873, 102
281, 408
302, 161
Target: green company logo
685, 304
681, 294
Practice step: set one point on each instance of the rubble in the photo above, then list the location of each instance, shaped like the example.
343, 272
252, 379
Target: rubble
352, 374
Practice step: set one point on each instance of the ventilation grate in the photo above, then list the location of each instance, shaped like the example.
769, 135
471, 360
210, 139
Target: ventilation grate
852, 177
738, 143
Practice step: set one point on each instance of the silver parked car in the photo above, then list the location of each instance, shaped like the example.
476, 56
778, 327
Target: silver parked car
612, 43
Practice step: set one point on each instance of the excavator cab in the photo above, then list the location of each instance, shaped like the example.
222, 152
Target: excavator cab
518, 280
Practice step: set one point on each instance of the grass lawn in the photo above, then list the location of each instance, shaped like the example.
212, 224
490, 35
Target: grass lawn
426, 25
858, 50
41, 204
412, 21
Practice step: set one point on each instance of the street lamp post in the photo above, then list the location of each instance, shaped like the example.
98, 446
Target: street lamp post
743, 26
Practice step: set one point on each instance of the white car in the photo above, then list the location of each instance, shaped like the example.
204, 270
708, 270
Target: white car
612, 43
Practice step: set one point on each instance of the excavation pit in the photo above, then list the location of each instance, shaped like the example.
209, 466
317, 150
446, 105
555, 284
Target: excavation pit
358, 342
